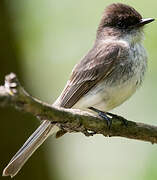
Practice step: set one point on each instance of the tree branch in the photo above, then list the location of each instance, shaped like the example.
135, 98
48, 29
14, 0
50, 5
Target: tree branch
72, 120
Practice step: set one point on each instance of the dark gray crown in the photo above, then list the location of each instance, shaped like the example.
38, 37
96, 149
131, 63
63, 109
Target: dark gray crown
120, 16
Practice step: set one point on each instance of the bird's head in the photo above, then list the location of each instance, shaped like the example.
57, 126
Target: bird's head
121, 18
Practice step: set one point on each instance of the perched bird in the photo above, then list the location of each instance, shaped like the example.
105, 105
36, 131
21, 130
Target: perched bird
107, 76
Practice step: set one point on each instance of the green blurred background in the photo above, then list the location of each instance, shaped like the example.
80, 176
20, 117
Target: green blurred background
41, 39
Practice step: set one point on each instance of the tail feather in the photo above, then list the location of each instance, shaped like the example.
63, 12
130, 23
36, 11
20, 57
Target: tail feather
33, 142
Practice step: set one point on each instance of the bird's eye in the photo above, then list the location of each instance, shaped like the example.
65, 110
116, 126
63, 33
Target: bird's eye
121, 25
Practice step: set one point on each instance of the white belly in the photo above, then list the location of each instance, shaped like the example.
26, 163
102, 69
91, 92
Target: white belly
106, 98
122, 83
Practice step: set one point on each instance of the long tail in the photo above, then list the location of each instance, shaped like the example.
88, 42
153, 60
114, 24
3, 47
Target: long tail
33, 142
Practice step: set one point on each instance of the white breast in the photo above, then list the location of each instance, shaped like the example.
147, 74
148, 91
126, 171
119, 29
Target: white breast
106, 96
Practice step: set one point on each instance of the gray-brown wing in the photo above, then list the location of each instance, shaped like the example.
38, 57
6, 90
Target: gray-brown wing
96, 65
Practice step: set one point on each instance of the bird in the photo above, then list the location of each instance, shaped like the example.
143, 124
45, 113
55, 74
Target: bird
111, 72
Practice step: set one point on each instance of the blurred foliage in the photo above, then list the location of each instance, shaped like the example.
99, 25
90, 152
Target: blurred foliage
50, 37
15, 126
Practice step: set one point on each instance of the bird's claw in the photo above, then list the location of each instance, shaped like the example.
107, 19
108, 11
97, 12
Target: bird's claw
103, 115
120, 118
109, 116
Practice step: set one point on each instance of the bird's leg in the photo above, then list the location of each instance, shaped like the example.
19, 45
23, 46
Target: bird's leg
103, 115
108, 117
124, 121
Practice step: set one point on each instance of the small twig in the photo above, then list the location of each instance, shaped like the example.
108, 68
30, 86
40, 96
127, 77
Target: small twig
71, 120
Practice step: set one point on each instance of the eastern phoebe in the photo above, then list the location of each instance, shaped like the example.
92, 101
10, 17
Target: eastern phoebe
107, 76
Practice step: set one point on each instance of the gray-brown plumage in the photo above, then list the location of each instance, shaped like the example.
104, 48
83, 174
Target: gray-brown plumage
92, 69
107, 76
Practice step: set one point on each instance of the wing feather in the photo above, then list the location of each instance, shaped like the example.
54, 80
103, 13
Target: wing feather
95, 66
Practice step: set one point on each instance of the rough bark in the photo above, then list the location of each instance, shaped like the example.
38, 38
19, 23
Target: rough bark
71, 120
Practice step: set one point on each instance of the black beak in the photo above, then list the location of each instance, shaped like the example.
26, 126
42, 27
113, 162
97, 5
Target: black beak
144, 21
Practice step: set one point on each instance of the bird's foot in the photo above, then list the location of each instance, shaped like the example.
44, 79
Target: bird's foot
120, 118
109, 116
103, 115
